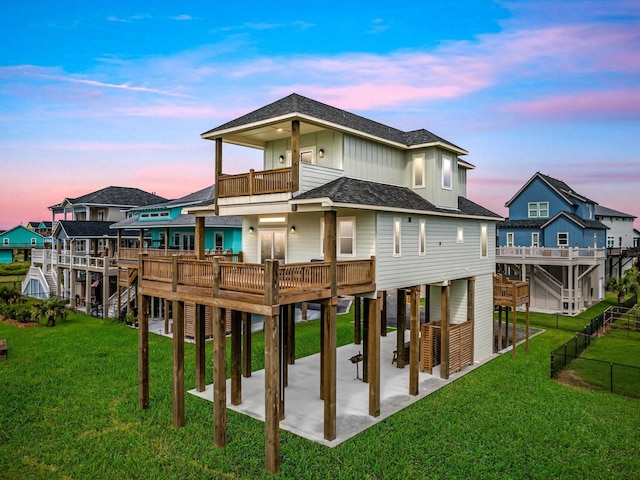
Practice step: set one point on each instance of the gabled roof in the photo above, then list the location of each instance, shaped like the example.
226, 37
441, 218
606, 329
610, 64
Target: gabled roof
561, 188
296, 106
89, 229
18, 227
610, 212
114, 196
581, 222
357, 193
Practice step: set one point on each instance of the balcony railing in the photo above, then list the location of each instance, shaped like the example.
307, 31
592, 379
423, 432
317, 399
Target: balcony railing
507, 292
255, 183
86, 261
131, 254
550, 253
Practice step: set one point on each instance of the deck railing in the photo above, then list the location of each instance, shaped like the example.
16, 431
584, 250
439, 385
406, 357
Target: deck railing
255, 183
250, 278
550, 253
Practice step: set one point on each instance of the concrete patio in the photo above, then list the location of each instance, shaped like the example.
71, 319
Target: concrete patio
304, 411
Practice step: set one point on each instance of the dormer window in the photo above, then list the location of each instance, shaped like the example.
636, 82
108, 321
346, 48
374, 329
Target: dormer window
446, 173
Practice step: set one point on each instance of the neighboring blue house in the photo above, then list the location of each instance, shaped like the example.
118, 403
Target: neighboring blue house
18, 238
552, 238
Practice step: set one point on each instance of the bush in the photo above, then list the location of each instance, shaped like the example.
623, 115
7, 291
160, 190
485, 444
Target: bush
9, 295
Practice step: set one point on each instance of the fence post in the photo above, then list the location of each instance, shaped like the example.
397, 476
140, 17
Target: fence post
552, 355
576, 342
556, 321
611, 375
565, 354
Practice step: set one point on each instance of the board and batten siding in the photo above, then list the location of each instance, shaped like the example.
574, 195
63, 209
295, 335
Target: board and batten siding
373, 161
445, 258
327, 140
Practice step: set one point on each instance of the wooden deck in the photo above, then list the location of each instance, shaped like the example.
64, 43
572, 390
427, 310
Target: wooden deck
255, 183
226, 284
510, 293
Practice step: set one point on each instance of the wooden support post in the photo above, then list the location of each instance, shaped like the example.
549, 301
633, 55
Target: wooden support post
357, 322
219, 366
329, 370
323, 307
246, 344
527, 329
373, 366
236, 357
295, 154
166, 316
303, 307
401, 320
218, 171
292, 334
178, 364
143, 355
414, 342
272, 370
199, 333
284, 346
445, 296
199, 240
383, 315
471, 310
365, 335
514, 332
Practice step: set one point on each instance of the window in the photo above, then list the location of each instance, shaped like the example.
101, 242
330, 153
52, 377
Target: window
422, 238
397, 236
610, 242
418, 171
307, 155
563, 239
620, 241
218, 241
538, 209
460, 235
162, 240
509, 239
346, 237
484, 241
176, 240
535, 239
446, 172
5, 241
33, 241
100, 216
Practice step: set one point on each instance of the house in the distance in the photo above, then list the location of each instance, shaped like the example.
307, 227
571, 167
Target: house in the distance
18, 238
44, 227
553, 238
622, 240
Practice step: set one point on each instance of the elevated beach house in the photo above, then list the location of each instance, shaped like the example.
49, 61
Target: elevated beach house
553, 239
18, 238
81, 266
622, 240
342, 205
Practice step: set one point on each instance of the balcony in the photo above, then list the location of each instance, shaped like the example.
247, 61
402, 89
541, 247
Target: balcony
255, 183
552, 255
183, 278
89, 262
507, 292
129, 256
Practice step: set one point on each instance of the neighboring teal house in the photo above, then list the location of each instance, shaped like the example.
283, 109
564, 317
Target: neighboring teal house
172, 229
18, 238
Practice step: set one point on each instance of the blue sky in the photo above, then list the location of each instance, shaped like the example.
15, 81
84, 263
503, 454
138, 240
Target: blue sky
116, 93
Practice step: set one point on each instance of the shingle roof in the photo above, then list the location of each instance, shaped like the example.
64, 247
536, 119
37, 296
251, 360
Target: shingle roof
120, 196
593, 224
203, 197
183, 220
610, 212
345, 190
521, 224
295, 103
564, 188
91, 229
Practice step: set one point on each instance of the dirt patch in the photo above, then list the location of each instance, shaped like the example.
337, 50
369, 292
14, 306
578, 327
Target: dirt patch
16, 323
571, 377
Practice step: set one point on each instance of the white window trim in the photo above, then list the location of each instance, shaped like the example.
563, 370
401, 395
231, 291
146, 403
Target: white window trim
460, 235
397, 236
423, 182
484, 240
537, 241
5, 241
215, 235
558, 239
446, 158
311, 149
510, 239
537, 209
422, 237
339, 238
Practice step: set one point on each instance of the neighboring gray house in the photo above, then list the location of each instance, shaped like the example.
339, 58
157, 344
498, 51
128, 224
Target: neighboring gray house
622, 240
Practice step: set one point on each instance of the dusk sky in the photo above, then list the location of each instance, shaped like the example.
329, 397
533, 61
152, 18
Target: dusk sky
105, 93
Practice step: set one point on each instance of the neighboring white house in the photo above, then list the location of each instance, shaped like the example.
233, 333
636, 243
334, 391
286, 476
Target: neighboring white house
622, 240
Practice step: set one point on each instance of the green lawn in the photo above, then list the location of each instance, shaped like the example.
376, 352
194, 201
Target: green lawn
68, 410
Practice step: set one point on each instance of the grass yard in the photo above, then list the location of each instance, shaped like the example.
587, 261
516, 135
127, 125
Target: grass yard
68, 409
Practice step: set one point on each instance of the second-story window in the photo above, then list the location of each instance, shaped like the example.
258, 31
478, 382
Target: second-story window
33, 241
5, 241
419, 171
460, 235
535, 239
446, 172
422, 238
610, 242
484, 241
563, 239
538, 209
509, 239
218, 241
397, 236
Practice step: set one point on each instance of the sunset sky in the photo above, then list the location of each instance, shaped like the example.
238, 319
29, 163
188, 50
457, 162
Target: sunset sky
105, 93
